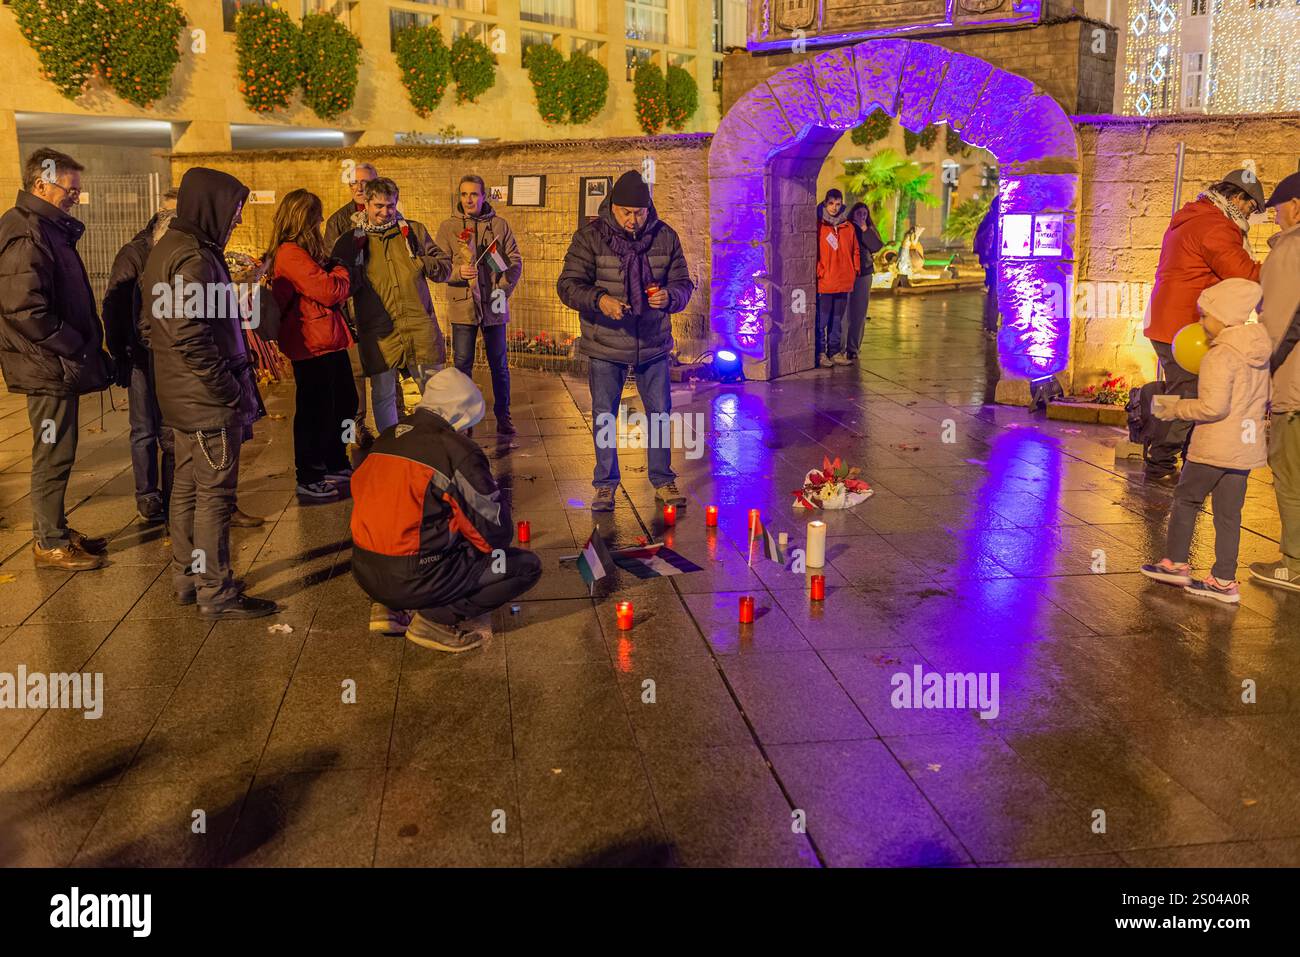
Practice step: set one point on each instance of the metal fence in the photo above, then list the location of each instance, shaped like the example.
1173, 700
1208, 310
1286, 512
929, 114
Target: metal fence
114, 208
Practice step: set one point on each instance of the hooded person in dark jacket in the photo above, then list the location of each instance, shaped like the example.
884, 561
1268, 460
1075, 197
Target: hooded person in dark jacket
203, 378
51, 344
122, 305
625, 274
430, 532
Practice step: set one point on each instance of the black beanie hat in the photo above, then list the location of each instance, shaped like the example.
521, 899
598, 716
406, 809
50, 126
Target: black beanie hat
631, 190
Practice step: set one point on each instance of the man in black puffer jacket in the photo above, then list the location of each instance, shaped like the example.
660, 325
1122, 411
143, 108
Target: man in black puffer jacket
51, 344
203, 378
625, 274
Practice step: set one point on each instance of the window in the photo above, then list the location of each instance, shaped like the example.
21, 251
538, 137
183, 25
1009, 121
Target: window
729, 19
558, 13
1198, 8
531, 38
647, 20
472, 6
634, 56
230, 9
1261, 78
399, 20
1193, 81
593, 48
683, 60
476, 28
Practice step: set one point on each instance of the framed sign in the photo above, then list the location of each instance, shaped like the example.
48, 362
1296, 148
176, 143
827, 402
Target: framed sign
527, 191
592, 191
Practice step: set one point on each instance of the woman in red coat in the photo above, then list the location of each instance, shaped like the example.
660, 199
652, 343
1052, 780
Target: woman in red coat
309, 289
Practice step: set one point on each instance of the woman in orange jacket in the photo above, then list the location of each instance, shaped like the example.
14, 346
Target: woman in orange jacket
838, 261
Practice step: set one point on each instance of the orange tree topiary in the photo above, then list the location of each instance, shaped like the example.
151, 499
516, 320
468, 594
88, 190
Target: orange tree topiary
425, 65
266, 46
651, 93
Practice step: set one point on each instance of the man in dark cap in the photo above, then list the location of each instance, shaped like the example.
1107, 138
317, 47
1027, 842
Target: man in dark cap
1204, 245
625, 274
203, 379
1280, 315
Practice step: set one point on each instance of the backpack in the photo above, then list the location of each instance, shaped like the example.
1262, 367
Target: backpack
1141, 423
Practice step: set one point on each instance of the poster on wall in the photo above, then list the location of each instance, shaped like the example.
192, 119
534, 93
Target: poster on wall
498, 194
1049, 234
1026, 235
527, 191
1017, 233
592, 191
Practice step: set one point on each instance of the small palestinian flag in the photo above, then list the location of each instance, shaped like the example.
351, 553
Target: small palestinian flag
492, 256
771, 549
655, 561
594, 562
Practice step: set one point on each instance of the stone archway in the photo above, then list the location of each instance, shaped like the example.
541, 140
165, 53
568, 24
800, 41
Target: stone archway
763, 166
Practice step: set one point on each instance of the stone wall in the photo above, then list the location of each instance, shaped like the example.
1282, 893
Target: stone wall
429, 177
1128, 195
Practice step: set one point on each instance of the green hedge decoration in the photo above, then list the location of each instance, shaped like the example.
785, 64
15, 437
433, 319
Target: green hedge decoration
266, 44
683, 97
329, 55
548, 73
425, 65
587, 83
133, 45
873, 129
473, 67
651, 92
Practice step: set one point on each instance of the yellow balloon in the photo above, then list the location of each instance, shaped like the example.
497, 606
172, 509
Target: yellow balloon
1190, 347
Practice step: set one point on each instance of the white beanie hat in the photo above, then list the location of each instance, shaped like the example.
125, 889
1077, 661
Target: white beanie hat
454, 396
1232, 301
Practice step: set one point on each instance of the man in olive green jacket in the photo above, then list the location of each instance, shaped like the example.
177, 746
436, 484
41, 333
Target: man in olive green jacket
392, 260
486, 269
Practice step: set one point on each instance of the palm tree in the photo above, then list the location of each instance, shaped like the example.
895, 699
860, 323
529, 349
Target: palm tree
884, 176
966, 218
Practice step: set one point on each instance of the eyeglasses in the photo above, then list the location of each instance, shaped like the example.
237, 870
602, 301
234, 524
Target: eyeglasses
71, 191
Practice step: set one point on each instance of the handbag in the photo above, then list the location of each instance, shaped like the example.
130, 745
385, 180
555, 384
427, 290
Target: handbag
265, 312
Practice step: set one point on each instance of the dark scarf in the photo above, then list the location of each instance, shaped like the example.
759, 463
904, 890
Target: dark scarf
633, 259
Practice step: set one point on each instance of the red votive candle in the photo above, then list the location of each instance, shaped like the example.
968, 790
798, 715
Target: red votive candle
711, 517
746, 609
524, 532
818, 587
754, 520
670, 515
624, 612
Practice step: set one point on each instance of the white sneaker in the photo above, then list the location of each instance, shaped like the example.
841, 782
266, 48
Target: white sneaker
318, 491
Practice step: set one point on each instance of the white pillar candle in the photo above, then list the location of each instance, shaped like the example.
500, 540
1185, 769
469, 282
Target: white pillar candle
815, 553
782, 539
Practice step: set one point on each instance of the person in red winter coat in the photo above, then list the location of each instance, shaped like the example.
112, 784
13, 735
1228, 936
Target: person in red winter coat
310, 290
838, 261
1204, 245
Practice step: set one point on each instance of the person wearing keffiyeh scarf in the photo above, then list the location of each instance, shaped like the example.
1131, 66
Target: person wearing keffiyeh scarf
392, 260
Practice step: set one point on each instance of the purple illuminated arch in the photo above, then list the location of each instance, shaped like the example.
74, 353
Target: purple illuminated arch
769, 148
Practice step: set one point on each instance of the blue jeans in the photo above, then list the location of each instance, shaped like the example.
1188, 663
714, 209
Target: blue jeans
831, 307
146, 432
383, 393
463, 338
652, 385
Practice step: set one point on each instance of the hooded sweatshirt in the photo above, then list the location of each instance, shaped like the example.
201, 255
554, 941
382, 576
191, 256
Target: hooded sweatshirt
201, 371
1231, 398
485, 300
426, 511
1280, 278
1201, 247
838, 259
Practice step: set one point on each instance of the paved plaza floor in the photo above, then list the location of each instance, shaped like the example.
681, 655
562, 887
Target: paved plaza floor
1135, 726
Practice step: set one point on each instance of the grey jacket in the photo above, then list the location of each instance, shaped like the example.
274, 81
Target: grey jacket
1280, 277
591, 269
489, 303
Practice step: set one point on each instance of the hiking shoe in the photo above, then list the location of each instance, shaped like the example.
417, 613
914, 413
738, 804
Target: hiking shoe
318, 491
96, 546
238, 608
388, 621
505, 425
840, 359
241, 519
1275, 573
1160, 474
1169, 572
669, 495
449, 638
1211, 587
151, 510
604, 500
69, 558
824, 362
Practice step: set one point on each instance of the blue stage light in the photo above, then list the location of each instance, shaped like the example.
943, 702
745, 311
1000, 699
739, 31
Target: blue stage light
727, 366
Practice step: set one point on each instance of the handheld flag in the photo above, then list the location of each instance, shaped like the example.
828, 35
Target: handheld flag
771, 548
492, 256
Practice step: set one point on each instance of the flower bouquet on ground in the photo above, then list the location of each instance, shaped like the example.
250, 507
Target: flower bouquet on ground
834, 485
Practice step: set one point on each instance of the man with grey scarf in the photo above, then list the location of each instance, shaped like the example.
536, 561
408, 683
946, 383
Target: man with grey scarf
1204, 245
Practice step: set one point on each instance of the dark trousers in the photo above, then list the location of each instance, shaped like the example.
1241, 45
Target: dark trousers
325, 401
831, 307
859, 300
207, 472
605, 380
463, 338
1228, 488
146, 438
54, 449
991, 317
358, 383
1170, 438
491, 589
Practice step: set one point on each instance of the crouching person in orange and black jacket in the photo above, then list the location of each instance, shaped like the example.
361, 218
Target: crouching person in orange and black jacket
430, 533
